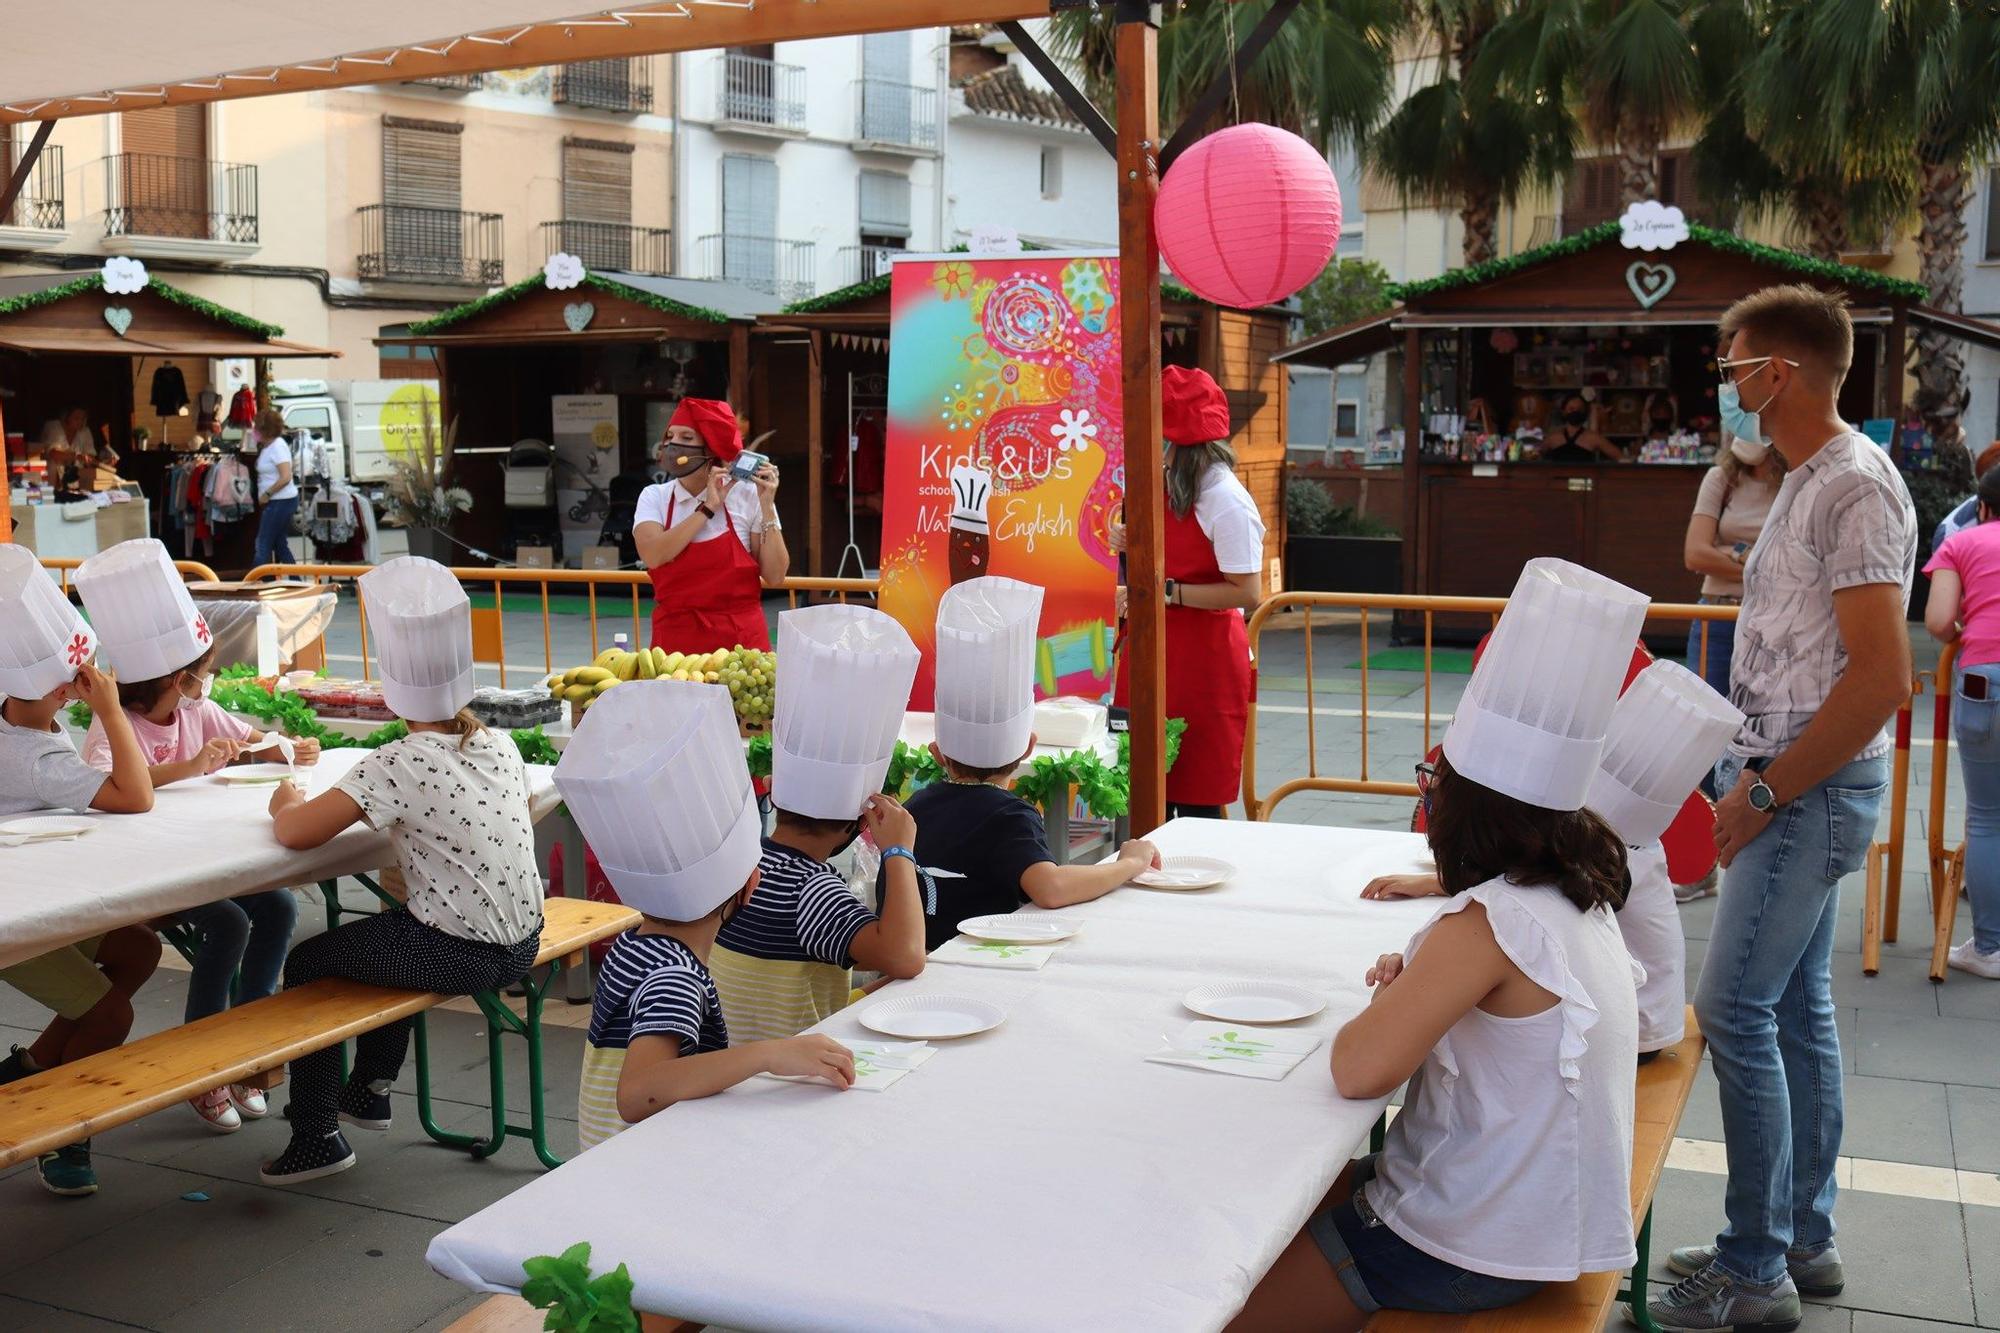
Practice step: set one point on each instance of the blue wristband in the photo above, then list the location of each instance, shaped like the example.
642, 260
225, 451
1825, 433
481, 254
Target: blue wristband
888, 853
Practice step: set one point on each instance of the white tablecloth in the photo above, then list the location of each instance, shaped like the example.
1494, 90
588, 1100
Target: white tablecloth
201, 841
1038, 1176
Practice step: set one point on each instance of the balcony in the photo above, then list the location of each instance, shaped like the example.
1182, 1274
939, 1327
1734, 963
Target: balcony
612, 247
783, 269
179, 207
760, 96
407, 243
452, 83
896, 117
606, 85
859, 263
38, 218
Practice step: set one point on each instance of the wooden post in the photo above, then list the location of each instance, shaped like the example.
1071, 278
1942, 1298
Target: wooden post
739, 370
1139, 327
816, 448
1895, 364
6, 484
1413, 446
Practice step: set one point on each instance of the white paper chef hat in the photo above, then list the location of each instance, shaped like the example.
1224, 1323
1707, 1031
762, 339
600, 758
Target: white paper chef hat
986, 631
1667, 729
421, 622
1531, 724
844, 676
656, 780
146, 623
42, 638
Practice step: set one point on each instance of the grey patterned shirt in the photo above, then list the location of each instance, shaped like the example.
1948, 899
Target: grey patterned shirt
1842, 521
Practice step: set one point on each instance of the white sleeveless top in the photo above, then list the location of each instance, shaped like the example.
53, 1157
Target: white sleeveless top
1513, 1152
1651, 924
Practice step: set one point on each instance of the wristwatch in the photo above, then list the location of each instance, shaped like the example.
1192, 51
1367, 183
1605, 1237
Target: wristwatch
702, 505
1173, 593
1762, 799
1740, 551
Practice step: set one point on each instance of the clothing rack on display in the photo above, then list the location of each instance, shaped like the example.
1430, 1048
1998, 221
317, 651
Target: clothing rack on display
866, 394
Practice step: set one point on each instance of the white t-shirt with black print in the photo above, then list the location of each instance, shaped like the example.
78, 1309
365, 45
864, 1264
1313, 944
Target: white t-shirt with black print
458, 816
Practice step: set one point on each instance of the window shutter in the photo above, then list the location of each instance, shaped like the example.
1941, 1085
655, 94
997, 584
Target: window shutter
420, 163
168, 131
597, 181
886, 55
885, 203
749, 195
1993, 213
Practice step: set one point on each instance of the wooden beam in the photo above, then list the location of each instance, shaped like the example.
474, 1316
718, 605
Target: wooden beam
29, 156
1145, 496
646, 29
816, 449
1224, 83
739, 371
1896, 364
1058, 79
1413, 451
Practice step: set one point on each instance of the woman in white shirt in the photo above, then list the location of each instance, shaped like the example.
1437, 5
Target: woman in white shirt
1513, 1017
277, 492
1214, 540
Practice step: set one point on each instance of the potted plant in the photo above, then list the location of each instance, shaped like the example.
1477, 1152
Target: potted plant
422, 499
1332, 548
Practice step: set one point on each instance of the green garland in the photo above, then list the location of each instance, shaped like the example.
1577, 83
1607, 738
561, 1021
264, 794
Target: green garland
94, 282
577, 1302
1727, 242
665, 305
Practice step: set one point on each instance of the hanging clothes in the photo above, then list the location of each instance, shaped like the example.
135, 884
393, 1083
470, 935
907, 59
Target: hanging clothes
243, 408
170, 393
207, 409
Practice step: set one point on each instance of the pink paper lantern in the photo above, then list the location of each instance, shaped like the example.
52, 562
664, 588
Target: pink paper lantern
1248, 216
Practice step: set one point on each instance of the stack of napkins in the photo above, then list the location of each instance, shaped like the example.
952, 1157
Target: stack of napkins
878, 1065
986, 953
1237, 1048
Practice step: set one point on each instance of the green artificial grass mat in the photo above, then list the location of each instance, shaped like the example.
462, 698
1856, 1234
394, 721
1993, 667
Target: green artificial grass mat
1444, 661
609, 601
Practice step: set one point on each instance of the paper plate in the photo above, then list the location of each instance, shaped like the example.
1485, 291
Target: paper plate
1178, 874
1018, 928
931, 1017
1253, 1002
256, 775
44, 826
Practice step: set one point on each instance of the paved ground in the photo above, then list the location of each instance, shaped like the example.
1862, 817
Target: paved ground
1920, 1209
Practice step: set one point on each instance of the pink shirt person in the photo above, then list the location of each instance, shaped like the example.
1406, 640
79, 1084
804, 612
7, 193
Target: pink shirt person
1974, 555
179, 738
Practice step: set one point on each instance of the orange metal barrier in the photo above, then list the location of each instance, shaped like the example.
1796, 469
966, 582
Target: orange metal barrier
489, 636
1947, 864
1365, 605
189, 569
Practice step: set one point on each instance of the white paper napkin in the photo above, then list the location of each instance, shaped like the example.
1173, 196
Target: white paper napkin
1237, 1048
878, 1065
968, 952
276, 741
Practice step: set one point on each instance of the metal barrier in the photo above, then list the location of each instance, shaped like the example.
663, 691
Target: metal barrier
633, 582
189, 569
1947, 865
1365, 604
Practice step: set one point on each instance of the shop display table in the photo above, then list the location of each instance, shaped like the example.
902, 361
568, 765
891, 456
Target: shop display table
1039, 1175
282, 624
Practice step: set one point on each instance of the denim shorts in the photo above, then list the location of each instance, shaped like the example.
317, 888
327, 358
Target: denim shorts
1382, 1271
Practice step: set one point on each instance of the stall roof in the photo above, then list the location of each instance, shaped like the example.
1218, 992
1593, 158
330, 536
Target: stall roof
703, 300
1350, 342
229, 333
1976, 331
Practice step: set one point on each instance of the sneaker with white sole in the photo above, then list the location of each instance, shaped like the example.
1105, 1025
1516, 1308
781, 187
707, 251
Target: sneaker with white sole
1701, 888
308, 1159
1815, 1272
365, 1105
68, 1172
1966, 957
217, 1111
1712, 1300
250, 1102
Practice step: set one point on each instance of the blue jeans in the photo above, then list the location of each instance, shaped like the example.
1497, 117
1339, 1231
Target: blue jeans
274, 531
1721, 648
1765, 1002
252, 933
1975, 727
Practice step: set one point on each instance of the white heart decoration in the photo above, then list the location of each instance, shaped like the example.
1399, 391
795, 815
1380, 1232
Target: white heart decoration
1650, 283
119, 318
577, 315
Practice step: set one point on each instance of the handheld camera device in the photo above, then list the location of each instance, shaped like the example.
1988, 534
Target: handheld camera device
746, 465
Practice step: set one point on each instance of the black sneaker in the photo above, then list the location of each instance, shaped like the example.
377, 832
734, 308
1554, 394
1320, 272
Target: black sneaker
308, 1159
67, 1171
15, 1066
365, 1105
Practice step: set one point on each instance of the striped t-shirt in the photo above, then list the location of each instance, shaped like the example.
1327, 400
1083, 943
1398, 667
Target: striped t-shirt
654, 986
781, 963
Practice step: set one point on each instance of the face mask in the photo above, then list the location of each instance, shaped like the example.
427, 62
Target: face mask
207, 686
1576, 418
1748, 452
683, 460
1739, 422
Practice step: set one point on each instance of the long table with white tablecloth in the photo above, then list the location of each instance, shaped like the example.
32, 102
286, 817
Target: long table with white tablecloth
202, 840
1040, 1175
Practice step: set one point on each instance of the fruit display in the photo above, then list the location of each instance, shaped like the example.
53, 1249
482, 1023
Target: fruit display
750, 675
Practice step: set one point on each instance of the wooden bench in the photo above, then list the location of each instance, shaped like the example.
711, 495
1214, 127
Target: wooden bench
1586, 1303
511, 1314
60, 1106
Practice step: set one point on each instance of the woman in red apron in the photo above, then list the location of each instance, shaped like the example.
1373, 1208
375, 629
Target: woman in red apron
1214, 549
709, 550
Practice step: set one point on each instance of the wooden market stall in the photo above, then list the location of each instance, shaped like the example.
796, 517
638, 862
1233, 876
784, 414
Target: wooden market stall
128, 361
1489, 356
837, 345
639, 341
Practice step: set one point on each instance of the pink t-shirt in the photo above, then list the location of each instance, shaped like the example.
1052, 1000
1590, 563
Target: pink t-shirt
181, 737
1974, 555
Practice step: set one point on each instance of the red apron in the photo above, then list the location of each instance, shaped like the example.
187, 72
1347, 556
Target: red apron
709, 596
1208, 680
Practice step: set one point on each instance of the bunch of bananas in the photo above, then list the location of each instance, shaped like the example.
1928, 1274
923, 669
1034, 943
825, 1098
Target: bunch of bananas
749, 674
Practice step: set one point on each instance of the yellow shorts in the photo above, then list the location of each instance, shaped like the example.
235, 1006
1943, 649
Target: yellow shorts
66, 980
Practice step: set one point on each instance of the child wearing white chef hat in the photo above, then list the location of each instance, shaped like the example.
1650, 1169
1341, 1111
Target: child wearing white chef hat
45, 650
989, 843
656, 782
784, 961
453, 798
153, 636
1512, 1014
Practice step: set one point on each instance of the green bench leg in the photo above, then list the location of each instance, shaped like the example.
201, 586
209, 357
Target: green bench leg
501, 1021
1635, 1288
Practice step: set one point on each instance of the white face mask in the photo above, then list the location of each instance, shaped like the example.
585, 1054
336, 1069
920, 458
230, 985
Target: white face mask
207, 686
1749, 452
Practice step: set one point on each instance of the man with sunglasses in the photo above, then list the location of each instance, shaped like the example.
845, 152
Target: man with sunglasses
1822, 662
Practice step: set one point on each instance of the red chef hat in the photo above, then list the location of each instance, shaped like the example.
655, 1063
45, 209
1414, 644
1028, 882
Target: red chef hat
1192, 408
715, 422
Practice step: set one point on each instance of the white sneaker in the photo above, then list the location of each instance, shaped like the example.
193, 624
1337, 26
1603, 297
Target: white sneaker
250, 1102
215, 1108
1967, 958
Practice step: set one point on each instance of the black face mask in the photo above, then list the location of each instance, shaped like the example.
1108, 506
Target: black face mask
1576, 418
849, 843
